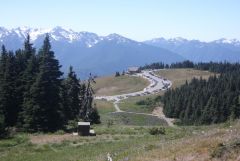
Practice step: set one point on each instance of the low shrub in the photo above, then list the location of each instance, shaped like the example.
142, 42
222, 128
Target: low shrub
157, 131
109, 123
226, 149
71, 126
60, 132
218, 151
147, 101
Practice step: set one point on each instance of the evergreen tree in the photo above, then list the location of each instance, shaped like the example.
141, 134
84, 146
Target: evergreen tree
3, 59
3, 88
27, 65
235, 108
93, 115
206, 101
29, 77
117, 74
72, 102
42, 111
8, 91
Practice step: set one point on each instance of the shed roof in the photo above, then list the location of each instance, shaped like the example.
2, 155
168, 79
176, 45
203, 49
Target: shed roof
84, 123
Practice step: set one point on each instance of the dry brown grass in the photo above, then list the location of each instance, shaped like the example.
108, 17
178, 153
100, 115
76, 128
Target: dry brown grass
105, 106
179, 76
119, 85
53, 138
198, 147
132, 143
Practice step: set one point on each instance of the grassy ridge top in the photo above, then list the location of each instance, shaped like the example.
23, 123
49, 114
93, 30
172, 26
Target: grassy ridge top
179, 76
119, 85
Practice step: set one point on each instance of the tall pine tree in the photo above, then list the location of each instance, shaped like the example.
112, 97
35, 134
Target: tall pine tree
27, 66
42, 111
3, 60
72, 102
9, 91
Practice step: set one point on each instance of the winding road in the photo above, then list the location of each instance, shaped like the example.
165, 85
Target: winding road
156, 85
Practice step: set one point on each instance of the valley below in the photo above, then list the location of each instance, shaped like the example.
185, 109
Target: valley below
128, 134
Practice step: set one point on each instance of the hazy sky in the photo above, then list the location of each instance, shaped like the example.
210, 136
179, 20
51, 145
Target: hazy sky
137, 19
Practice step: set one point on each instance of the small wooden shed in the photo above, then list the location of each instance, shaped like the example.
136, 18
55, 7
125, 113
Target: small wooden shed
84, 128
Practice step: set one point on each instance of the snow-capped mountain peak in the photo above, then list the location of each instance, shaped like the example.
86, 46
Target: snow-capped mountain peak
158, 40
85, 49
177, 39
57, 33
227, 41
116, 37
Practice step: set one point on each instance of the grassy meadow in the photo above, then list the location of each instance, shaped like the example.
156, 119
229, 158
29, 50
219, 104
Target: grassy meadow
179, 76
133, 143
112, 85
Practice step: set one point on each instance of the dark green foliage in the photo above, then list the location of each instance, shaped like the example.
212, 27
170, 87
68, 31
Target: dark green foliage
220, 67
204, 102
184, 64
93, 116
153, 66
3, 85
42, 110
117, 74
33, 95
157, 131
3, 90
71, 95
161, 65
200, 101
7, 88
147, 101
77, 99
2, 125
28, 67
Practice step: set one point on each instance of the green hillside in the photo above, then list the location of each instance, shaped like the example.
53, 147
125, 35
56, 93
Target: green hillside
119, 85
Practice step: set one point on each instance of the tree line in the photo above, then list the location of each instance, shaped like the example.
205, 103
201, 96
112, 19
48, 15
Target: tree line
161, 65
206, 101
34, 95
217, 67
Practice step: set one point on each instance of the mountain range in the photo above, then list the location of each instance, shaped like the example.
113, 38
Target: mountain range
102, 55
197, 51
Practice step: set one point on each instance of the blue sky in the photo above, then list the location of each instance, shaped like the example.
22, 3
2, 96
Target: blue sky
137, 19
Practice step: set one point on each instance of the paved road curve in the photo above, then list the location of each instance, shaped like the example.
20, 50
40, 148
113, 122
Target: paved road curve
157, 84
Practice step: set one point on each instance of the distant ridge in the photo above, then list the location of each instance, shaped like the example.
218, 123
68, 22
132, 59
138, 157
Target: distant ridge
219, 50
88, 52
103, 55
